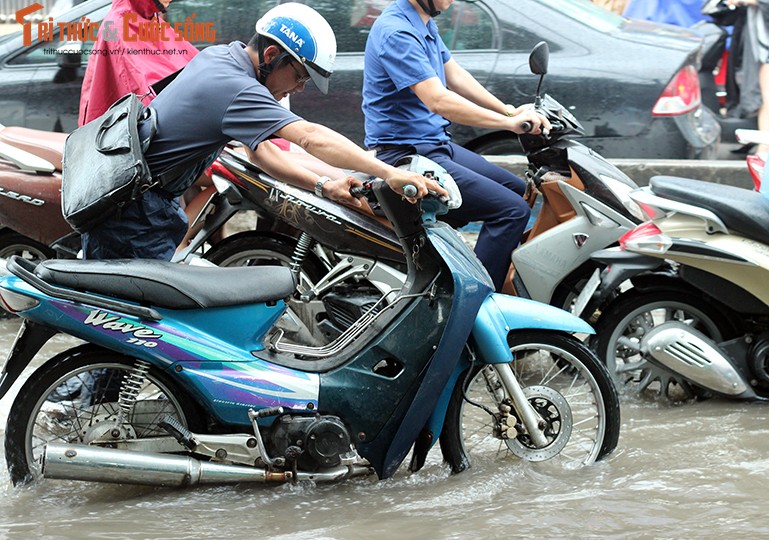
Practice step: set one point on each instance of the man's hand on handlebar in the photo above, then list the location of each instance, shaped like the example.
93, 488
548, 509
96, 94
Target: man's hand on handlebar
529, 121
339, 190
399, 179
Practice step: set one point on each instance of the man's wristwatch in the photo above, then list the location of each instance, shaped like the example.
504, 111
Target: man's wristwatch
319, 185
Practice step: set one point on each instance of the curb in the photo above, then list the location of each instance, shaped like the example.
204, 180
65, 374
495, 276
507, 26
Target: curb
729, 172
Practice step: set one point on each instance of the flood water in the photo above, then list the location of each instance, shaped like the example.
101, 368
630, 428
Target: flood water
696, 470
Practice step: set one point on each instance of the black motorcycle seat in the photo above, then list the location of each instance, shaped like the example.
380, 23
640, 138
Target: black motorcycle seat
170, 285
743, 211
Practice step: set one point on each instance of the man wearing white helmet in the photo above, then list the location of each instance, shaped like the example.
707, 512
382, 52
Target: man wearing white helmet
230, 92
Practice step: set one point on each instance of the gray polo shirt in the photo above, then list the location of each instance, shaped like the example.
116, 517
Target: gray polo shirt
214, 100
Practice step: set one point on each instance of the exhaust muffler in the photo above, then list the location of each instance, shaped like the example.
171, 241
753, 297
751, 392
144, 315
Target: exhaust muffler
97, 464
690, 353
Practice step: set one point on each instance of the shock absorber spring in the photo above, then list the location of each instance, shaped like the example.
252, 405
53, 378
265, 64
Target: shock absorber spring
133, 380
303, 246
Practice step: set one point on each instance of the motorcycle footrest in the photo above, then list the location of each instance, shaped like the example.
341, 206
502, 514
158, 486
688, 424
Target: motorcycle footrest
183, 435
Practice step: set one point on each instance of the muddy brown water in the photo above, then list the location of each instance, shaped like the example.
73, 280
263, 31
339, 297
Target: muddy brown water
696, 470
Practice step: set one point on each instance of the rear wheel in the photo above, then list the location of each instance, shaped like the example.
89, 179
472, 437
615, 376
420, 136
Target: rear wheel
567, 385
73, 399
498, 146
621, 330
255, 249
12, 243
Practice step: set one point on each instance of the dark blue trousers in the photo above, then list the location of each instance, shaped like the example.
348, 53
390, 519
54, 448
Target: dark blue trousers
149, 228
490, 194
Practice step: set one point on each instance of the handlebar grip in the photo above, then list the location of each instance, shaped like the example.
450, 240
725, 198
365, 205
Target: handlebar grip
358, 191
410, 191
526, 126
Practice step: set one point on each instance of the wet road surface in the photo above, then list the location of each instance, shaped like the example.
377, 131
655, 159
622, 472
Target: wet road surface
696, 470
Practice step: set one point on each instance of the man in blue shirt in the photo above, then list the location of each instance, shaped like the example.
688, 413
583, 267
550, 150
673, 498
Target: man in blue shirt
412, 91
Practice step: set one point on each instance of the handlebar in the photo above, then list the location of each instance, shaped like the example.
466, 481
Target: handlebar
409, 191
360, 191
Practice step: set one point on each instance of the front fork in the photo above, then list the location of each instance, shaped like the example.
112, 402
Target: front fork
533, 423
530, 419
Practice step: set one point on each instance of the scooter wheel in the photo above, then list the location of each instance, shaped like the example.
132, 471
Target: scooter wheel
563, 380
73, 399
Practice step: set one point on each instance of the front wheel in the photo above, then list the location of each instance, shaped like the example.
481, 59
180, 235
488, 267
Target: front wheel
13, 243
568, 386
73, 399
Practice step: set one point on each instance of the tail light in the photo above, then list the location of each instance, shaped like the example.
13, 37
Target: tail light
756, 168
646, 238
219, 169
14, 302
682, 94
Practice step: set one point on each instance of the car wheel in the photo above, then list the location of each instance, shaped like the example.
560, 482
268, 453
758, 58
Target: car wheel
498, 146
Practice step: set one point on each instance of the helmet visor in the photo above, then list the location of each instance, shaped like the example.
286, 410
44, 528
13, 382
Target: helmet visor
319, 76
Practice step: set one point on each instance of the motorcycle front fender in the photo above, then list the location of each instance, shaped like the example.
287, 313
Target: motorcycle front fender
501, 314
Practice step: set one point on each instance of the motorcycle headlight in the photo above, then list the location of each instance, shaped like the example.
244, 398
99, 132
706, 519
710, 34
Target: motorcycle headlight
622, 192
449, 184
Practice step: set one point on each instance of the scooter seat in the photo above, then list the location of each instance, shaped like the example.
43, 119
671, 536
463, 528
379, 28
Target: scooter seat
743, 211
47, 145
170, 285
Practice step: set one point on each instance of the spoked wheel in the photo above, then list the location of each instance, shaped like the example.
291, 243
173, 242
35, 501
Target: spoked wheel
12, 243
73, 399
620, 339
254, 249
566, 384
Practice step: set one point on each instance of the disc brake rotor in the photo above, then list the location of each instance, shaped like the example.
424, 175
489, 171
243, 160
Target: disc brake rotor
554, 410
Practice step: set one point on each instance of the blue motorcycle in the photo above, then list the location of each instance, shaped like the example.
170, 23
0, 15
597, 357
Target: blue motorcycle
185, 378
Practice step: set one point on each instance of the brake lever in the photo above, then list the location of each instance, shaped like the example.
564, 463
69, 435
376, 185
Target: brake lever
441, 198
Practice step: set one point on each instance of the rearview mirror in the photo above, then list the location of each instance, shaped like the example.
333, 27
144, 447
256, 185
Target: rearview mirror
539, 57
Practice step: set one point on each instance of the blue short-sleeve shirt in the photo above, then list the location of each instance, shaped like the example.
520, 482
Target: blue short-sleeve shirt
214, 100
400, 52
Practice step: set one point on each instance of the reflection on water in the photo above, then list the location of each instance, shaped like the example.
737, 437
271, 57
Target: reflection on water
693, 470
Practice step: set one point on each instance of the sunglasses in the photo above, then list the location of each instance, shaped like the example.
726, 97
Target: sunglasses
300, 79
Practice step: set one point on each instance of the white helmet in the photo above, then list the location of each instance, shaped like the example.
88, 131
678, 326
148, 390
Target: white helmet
304, 34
